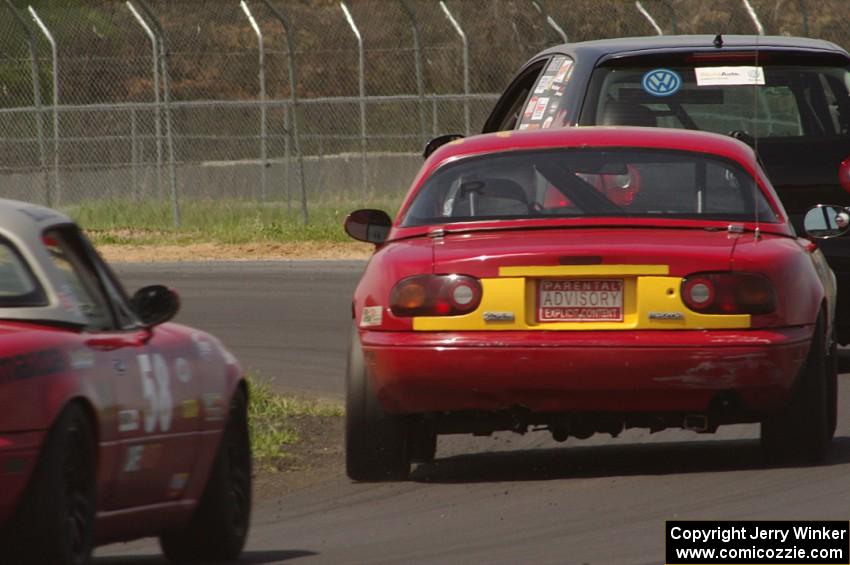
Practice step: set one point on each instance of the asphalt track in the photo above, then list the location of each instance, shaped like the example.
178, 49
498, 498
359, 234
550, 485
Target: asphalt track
506, 499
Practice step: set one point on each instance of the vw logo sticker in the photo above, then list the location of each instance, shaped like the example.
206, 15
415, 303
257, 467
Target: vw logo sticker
661, 82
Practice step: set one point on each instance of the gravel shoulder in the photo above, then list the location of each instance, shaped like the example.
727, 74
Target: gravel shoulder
305, 250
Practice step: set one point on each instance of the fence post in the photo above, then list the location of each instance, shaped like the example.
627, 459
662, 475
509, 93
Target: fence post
552, 23
157, 116
753, 16
57, 187
264, 156
293, 102
361, 80
462, 35
648, 17
805, 12
36, 96
417, 63
166, 99
134, 152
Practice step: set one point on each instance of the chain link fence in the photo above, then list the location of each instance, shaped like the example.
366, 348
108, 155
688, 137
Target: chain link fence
290, 103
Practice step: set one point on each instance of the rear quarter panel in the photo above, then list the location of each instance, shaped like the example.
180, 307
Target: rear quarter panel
391, 263
801, 289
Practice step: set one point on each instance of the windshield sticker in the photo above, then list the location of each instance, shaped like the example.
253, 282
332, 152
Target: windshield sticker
543, 84
530, 108
554, 64
661, 82
540, 108
564, 72
729, 76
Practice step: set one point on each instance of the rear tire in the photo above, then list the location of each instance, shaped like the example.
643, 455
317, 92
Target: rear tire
55, 521
376, 443
423, 445
832, 389
219, 526
801, 432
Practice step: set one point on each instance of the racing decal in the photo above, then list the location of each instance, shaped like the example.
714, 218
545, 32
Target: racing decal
543, 84
371, 316
203, 346
119, 366
142, 457
661, 82
530, 108
182, 370
156, 389
189, 409
31, 365
539, 108
564, 72
729, 76
177, 484
128, 420
68, 300
554, 65
82, 359
213, 407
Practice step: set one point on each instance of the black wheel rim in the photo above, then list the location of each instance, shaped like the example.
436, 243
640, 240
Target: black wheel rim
79, 481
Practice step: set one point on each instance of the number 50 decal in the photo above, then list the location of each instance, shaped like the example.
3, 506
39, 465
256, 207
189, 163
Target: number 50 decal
156, 388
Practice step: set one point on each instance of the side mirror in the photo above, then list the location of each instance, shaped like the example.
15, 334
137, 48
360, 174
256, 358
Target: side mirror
371, 226
155, 304
826, 221
438, 142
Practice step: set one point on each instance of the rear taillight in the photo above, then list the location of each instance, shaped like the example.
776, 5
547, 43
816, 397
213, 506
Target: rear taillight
435, 295
844, 174
729, 293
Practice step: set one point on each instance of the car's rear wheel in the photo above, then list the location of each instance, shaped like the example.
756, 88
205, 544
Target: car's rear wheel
55, 521
377, 446
423, 444
219, 525
832, 389
801, 432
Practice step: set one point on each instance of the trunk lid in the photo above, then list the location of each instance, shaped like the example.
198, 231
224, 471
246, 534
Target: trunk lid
598, 278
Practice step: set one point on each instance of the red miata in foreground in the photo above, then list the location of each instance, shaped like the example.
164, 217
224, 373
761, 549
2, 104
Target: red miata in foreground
589, 280
114, 424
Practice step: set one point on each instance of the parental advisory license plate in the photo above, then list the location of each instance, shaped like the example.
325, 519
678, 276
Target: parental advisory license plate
580, 300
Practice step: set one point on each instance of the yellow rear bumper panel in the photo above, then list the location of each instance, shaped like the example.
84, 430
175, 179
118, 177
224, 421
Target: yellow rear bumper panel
650, 301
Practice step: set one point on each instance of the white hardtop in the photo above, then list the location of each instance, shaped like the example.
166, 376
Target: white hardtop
22, 225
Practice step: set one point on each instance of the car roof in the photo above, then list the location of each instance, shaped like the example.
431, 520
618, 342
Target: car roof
22, 224
630, 46
595, 136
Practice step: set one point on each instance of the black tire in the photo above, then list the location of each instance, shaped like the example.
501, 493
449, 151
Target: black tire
376, 443
55, 521
219, 526
423, 444
800, 432
832, 390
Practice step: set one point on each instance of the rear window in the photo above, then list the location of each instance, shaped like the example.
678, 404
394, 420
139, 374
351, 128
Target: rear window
589, 183
18, 287
790, 101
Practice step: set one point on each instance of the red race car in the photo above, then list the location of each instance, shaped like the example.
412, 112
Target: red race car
589, 280
114, 424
